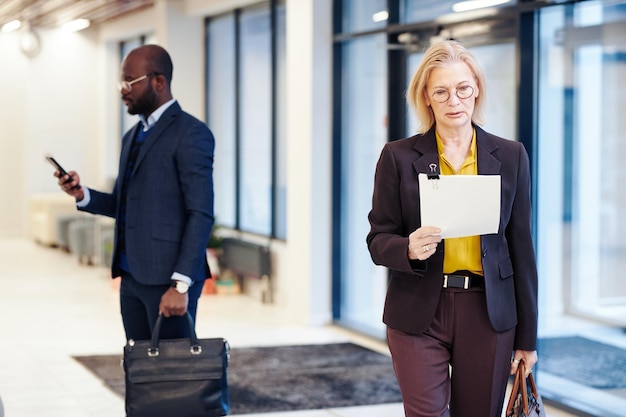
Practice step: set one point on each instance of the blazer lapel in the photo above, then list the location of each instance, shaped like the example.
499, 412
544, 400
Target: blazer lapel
426, 147
488, 164
166, 119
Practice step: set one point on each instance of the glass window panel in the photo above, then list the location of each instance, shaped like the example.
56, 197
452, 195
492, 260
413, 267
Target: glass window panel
255, 122
581, 204
359, 15
280, 228
363, 134
499, 63
425, 10
581, 75
416, 11
221, 115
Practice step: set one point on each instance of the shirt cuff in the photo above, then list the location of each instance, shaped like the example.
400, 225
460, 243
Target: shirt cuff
86, 198
176, 276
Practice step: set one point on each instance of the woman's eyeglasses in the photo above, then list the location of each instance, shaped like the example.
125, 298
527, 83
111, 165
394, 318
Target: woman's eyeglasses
463, 92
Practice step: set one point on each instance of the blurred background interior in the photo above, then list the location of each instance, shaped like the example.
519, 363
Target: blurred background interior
301, 95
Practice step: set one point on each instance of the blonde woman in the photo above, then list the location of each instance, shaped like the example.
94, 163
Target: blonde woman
482, 318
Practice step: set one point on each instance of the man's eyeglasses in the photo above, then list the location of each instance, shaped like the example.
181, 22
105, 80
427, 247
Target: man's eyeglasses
463, 92
127, 86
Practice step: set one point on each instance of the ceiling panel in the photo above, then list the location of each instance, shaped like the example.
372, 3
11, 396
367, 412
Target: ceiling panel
53, 13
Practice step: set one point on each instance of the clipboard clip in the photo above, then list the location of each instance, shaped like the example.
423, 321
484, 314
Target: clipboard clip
434, 175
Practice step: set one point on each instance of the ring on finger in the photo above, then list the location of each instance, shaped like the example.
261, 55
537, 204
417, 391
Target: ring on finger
426, 248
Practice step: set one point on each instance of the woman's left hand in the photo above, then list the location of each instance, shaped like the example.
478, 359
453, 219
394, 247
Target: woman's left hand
529, 358
423, 242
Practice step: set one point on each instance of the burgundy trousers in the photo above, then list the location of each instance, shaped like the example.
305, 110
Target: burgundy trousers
460, 366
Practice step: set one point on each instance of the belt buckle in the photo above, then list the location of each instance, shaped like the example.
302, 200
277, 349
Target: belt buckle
466, 282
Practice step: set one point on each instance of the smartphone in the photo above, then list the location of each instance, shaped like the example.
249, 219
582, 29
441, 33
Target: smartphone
58, 166
55, 164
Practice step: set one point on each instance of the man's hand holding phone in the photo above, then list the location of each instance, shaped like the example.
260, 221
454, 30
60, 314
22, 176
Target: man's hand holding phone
68, 181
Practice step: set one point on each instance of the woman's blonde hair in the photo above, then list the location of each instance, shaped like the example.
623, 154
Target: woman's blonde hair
439, 55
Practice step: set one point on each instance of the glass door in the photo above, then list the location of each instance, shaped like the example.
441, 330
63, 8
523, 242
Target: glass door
581, 205
363, 135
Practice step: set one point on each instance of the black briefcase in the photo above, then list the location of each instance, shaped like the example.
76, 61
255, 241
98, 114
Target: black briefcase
176, 377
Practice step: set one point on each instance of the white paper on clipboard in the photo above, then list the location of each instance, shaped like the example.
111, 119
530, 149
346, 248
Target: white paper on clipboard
461, 205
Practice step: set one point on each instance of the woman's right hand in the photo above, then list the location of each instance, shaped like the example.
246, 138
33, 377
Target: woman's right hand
423, 242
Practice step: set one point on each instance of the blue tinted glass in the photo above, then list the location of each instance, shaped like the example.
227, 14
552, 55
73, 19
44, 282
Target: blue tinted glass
255, 123
425, 10
359, 15
581, 227
280, 207
221, 114
363, 134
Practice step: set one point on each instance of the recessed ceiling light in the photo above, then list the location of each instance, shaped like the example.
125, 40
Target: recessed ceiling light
11, 26
464, 6
76, 25
380, 16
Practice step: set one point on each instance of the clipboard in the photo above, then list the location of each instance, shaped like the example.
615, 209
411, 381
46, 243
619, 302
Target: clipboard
460, 205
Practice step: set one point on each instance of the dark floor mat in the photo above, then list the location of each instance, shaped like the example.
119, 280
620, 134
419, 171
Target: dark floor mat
288, 378
584, 361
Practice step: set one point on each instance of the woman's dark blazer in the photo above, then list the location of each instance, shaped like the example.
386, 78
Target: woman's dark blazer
508, 257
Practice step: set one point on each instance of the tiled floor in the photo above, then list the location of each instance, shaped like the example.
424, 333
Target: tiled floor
51, 308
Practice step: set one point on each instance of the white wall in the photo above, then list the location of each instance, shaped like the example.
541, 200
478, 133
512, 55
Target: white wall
65, 101
13, 99
183, 36
49, 105
309, 156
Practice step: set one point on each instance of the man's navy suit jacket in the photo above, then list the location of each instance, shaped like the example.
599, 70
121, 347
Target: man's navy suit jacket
508, 257
169, 206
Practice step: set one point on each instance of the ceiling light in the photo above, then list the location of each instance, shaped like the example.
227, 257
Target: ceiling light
380, 16
464, 6
76, 25
11, 26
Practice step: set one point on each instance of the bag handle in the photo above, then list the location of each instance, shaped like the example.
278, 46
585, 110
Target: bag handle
194, 346
533, 386
514, 391
519, 384
521, 370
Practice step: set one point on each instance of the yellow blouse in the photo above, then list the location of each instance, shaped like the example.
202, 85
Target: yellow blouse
462, 253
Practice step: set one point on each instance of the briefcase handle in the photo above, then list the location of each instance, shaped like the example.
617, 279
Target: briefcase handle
194, 345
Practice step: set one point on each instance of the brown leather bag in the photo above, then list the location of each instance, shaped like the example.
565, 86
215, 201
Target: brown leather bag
522, 402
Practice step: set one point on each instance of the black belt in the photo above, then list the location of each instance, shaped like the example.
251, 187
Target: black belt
463, 281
